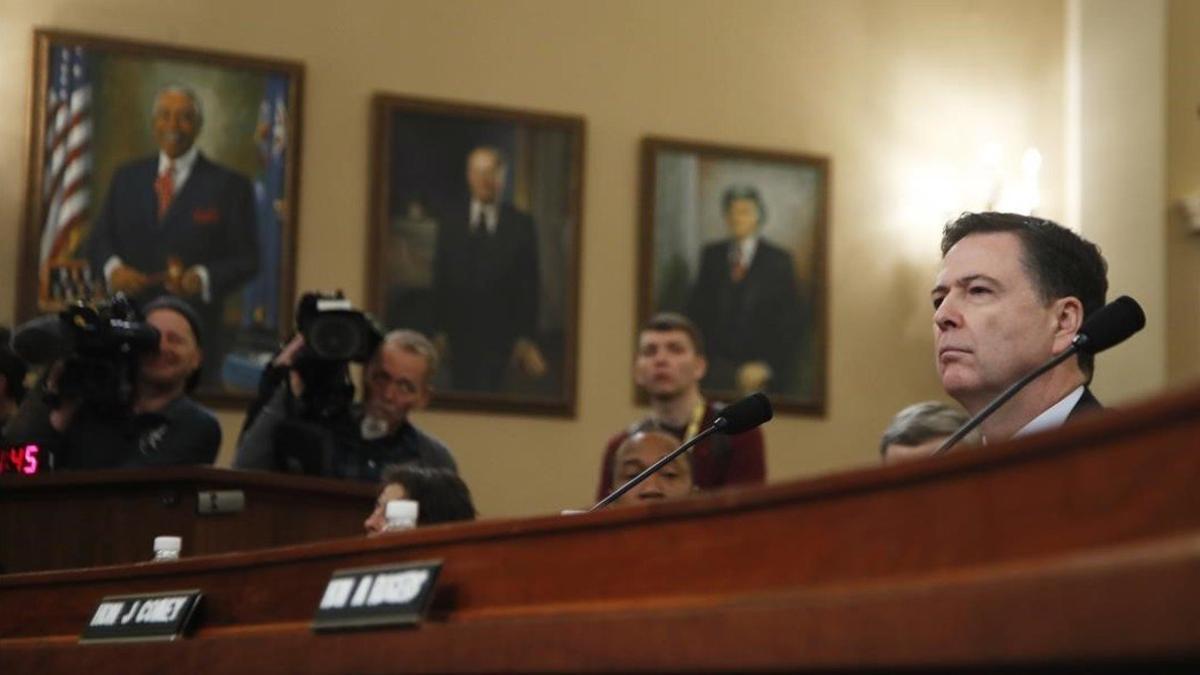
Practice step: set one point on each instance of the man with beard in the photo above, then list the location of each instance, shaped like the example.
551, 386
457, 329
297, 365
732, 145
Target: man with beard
372, 435
164, 426
669, 365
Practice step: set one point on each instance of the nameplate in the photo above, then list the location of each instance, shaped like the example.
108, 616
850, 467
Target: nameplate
386, 595
141, 617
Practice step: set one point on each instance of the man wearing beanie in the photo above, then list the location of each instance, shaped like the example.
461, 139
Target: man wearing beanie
164, 426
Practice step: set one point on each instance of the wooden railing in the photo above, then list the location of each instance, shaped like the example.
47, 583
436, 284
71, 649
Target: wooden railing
1077, 549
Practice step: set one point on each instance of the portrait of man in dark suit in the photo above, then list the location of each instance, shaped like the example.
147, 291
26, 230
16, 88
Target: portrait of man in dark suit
475, 242
177, 222
734, 239
745, 302
486, 276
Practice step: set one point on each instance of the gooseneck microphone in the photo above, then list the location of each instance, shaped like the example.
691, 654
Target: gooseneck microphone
735, 418
1110, 325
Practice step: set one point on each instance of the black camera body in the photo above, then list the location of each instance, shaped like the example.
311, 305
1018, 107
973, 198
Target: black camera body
334, 331
335, 335
99, 345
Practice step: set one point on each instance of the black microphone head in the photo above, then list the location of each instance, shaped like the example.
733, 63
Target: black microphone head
744, 414
40, 340
1110, 325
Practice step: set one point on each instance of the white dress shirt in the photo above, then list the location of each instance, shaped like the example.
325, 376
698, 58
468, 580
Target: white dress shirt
1054, 416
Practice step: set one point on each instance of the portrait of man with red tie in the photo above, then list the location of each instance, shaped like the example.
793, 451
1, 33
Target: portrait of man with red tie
745, 301
734, 239
177, 222
160, 171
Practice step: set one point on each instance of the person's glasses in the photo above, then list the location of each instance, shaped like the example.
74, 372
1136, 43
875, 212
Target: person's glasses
380, 380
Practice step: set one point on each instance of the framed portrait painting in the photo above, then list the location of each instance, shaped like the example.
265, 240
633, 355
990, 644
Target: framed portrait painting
735, 240
475, 242
159, 170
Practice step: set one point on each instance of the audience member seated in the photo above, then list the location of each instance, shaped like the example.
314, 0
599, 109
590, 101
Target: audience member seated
164, 425
668, 366
918, 430
12, 379
640, 451
440, 494
369, 435
1013, 292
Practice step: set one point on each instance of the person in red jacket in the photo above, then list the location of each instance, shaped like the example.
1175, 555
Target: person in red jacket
669, 365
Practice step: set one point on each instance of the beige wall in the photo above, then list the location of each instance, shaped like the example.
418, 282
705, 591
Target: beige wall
1183, 178
900, 95
1119, 53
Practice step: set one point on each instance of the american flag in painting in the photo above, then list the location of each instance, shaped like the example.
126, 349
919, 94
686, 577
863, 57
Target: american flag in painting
68, 154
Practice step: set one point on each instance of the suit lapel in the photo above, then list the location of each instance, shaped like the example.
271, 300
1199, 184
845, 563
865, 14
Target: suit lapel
147, 198
1087, 403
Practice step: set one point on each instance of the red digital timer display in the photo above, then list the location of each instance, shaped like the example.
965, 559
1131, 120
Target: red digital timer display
20, 459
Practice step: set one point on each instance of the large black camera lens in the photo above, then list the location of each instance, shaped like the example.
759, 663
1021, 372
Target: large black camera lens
336, 337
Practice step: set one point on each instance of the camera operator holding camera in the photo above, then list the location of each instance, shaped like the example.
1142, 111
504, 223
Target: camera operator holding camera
309, 422
118, 397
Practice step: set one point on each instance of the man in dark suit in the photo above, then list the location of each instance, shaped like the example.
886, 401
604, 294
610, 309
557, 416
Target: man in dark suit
178, 223
1013, 291
746, 303
486, 283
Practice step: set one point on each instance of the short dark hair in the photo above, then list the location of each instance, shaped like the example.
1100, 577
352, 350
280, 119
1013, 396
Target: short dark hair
670, 321
442, 495
1059, 262
736, 192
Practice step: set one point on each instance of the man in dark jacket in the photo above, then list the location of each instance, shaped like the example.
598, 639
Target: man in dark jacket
486, 283
373, 435
1013, 291
178, 223
162, 427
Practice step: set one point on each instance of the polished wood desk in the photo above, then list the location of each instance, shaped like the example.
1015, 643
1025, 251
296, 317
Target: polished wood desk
1077, 550
88, 518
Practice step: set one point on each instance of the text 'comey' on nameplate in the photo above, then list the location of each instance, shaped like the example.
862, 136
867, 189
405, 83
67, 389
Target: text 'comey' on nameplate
141, 617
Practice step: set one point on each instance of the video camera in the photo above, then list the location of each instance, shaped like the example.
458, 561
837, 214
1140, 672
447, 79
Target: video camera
99, 345
335, 335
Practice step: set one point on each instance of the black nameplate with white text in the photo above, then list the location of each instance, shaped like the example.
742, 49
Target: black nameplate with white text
144, 616
385, 595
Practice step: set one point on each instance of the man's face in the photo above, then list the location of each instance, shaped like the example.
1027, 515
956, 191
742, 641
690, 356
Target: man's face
667, 364
175, 123
742, 218
396, 382
375, 522
636, 455
178, 354
990, 326
485, 176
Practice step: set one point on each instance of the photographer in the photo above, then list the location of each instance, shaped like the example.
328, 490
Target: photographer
357, 441
141, 416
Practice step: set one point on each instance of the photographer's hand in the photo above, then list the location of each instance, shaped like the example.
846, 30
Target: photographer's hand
287, 359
